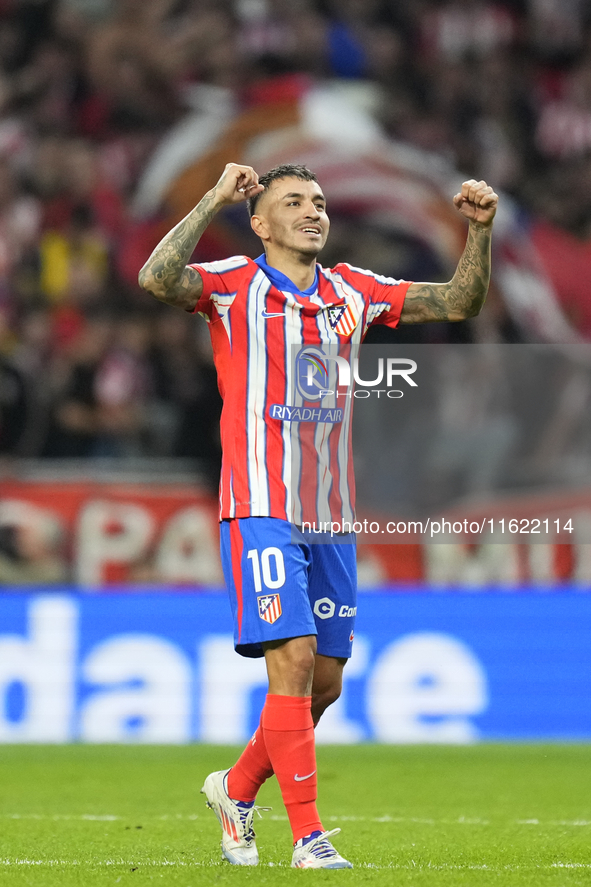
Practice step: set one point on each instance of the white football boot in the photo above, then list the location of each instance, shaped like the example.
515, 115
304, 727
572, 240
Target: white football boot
318, 853
238, 838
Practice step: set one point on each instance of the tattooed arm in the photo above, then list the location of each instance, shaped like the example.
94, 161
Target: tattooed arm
166, 274
465, 293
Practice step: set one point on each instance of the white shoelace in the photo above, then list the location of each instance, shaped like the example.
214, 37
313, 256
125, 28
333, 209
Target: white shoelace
321, 847
246, 819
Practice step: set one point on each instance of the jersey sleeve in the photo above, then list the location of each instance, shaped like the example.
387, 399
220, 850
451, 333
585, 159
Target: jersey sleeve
384, 296
220, 285
386, 301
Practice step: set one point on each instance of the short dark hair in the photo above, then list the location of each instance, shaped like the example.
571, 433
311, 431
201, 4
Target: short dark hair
285, 171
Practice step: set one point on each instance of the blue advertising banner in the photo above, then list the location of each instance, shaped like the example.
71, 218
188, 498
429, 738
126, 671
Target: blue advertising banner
428, 667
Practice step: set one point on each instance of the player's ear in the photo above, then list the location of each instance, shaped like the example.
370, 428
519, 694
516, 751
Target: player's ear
260, 227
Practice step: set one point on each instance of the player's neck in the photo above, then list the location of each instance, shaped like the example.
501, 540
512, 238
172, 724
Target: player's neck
300, 269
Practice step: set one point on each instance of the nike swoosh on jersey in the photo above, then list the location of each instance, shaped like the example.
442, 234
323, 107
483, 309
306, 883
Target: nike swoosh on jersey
301, 778
279, 314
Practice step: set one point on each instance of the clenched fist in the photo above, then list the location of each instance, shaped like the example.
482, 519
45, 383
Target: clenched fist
237, 183
477, 202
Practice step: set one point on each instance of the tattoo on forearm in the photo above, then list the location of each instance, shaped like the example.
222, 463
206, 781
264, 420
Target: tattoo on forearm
469, 285
166, 275
464, 295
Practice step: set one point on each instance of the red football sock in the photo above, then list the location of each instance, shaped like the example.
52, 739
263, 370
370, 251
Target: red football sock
251, 769
289, 737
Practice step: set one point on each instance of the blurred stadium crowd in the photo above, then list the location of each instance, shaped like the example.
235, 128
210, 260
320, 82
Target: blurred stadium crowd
90, 88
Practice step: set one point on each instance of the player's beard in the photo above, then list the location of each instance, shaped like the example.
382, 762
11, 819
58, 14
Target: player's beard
292, 241
312, 249
311, 252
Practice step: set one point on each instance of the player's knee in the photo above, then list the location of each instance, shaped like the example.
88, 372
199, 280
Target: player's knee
332, 694
324, 698
302, 667
290, 666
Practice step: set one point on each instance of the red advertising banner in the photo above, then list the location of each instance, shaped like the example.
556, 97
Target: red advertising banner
97, 534
113, 533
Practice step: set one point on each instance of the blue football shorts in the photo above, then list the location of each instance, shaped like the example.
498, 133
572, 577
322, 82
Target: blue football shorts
280, 588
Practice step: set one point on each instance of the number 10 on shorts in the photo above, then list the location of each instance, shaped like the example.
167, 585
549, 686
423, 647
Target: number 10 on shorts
273, 575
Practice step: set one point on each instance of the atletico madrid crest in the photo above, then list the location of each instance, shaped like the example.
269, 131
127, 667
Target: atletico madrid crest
269, 607
342, 319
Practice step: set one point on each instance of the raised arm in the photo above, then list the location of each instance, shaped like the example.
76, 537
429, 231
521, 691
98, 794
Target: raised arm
166, 275
465, 293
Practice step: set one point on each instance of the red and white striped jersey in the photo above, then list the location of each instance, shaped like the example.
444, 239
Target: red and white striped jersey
258, 321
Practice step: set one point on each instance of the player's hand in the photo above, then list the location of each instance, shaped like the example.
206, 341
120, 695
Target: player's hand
477, 202
237, 183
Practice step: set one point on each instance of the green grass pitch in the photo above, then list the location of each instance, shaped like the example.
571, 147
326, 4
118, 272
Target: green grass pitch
506, 815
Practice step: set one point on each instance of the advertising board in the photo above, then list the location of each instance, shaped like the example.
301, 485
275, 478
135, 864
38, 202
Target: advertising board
160, 668
98, 534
